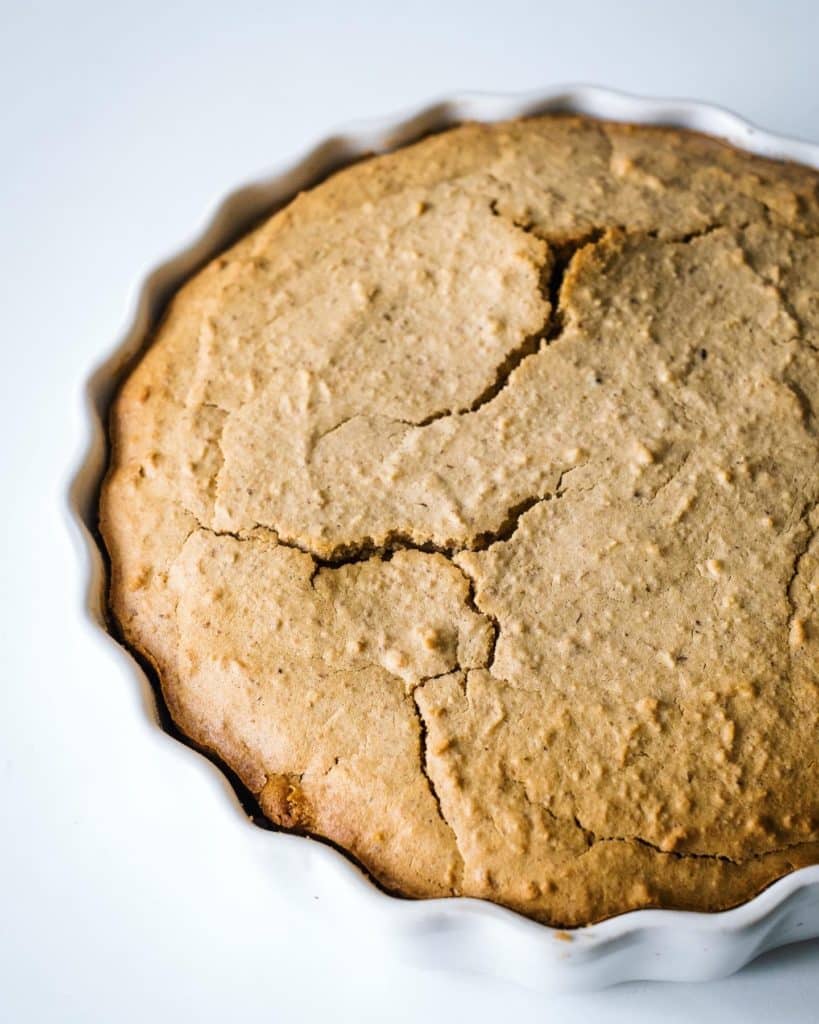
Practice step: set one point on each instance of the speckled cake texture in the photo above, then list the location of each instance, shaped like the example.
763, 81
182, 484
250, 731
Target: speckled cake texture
468, 510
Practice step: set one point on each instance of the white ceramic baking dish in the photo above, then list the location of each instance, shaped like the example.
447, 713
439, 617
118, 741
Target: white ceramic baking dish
460, 934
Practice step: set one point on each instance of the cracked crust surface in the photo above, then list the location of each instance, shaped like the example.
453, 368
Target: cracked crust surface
468, 510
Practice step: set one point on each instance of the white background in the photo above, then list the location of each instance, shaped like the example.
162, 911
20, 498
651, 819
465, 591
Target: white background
130, 890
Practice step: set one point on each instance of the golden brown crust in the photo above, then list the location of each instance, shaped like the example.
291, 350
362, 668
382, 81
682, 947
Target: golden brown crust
468, 510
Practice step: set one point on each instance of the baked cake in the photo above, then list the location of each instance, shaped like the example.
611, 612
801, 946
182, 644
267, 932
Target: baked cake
467, 509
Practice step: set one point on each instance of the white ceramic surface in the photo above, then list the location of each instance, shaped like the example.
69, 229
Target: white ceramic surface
461, 934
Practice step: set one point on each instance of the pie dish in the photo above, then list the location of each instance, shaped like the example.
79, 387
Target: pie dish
610, 249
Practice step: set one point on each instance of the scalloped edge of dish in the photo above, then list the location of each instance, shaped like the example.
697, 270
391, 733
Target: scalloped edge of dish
459, 933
